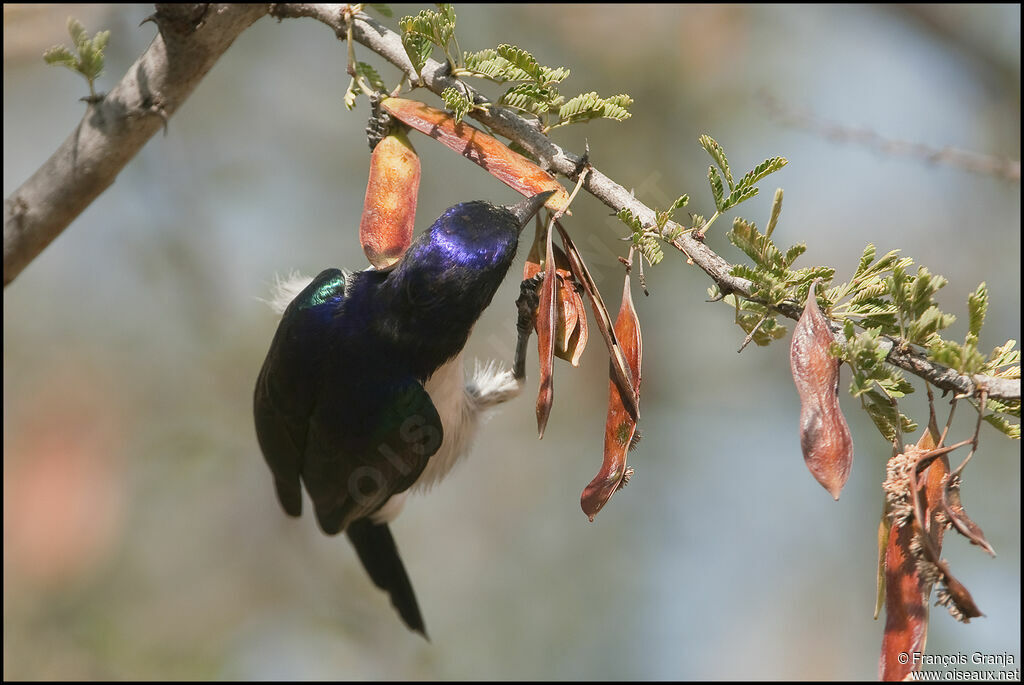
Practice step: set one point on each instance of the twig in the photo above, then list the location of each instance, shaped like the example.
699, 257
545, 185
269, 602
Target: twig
988, 165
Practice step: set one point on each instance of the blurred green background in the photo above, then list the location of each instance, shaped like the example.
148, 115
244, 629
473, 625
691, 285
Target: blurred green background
142, 538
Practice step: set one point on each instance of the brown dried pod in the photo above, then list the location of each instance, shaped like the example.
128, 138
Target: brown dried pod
906, 592
389, 208
509, 167
571, 332
620, 427
546, 316
824, 436
620, 367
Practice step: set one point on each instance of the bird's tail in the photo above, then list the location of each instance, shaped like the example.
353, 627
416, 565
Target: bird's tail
376, 549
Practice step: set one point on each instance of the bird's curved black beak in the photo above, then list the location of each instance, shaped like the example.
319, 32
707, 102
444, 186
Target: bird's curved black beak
525, 210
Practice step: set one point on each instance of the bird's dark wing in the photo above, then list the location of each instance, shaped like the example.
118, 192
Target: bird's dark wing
368, 440
289, 383
376, 549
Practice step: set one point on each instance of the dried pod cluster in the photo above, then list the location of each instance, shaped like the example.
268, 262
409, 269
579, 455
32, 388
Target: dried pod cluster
560, 320
389, 208
922, 503
906, 589
824, 436
571, 329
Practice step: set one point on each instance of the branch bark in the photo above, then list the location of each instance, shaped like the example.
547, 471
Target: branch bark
191, 39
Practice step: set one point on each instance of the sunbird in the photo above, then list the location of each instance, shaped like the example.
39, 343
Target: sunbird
362, 396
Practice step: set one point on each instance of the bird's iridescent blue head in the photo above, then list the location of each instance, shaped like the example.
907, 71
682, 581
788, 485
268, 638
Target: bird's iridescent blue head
470, 245
451, 271
480, 235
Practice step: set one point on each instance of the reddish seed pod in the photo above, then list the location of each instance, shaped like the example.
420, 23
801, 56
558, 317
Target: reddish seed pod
546, 322
389, 209
506, 165
571, 329
620, 427
906, 592
824, 436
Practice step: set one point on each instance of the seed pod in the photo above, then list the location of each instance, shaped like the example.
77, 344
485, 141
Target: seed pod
905, 590
824, 435
389, 209
509, 167
546, 321
571, 332
620, 427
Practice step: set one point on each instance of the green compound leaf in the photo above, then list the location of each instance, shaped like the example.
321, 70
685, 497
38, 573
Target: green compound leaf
1009, 407
870, 291
89, 58
437, 27
765, 329
371, 76
925, 285
740, 194
662, 218
977, 306
591, 106
627, 217
418, 48
488, 64
756, 245
717, 154
1012, 430
928, 325
420, 33
865, 260
768, 166
556, 75
529, 97
458, 103
523, 60
649, 247
717, 189
885, 415
60, 55
680, 202
1004, 356
794, 252
774, 218
77, 32
803, 277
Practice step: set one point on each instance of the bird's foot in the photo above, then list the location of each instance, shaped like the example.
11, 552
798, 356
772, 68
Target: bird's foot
526, 307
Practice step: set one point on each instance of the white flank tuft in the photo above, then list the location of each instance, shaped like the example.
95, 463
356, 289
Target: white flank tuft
284, 290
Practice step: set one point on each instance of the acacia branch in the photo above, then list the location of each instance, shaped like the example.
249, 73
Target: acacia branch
191, 39
507, 123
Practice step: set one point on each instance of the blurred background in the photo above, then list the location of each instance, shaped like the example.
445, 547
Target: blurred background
142, 538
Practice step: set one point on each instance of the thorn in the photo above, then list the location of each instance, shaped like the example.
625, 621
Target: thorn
583, 163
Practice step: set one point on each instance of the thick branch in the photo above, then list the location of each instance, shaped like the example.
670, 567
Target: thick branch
191, 39
506, 122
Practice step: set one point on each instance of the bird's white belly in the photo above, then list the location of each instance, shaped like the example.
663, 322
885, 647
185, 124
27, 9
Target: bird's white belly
461, 407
